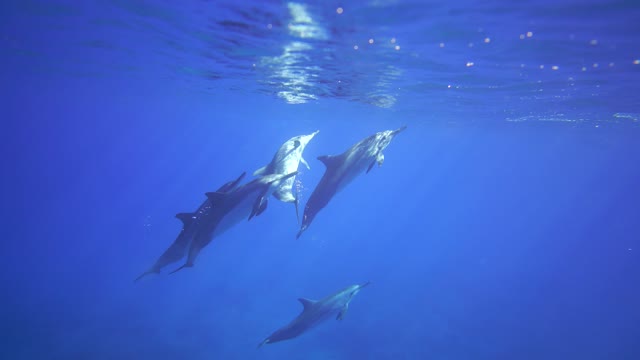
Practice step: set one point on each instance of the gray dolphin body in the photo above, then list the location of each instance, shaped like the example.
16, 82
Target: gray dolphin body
343, 168
190, 224
229, 208
285, 161
315, 312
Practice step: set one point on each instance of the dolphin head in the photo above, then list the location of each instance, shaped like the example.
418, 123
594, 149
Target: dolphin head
355, 289
383, 138
298, 143
304, 139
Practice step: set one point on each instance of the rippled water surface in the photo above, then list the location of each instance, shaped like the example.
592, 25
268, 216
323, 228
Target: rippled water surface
571, 61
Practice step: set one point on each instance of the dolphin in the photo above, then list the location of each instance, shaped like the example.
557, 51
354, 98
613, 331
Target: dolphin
343, 168
315, 312
190, 224
287, 159
229, 208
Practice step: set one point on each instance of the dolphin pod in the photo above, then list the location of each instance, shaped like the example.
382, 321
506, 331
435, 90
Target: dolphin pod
190, 224
229, 208
231, 203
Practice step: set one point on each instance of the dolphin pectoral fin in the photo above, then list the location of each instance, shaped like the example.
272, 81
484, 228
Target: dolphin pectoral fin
342, 312
261, 171
148, 272
370, 166
289, 175
186, 265
380, 158
302, 160
263, 207
186, 218
259, 207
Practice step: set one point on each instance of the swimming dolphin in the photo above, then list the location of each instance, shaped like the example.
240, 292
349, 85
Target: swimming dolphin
229, 208
190, 224
343, 168
315, 312
287, 159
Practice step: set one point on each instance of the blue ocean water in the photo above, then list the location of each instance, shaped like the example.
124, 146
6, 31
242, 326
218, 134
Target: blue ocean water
503, 224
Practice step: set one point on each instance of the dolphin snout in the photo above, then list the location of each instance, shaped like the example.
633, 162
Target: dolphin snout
396, 132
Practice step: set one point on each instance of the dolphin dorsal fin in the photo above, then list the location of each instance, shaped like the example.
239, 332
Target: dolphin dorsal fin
328, 160
306, 303
186, 218
231, 184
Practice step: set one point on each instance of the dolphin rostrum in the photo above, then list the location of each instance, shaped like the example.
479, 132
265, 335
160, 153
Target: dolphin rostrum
190, 224
285, 161
315, 312
229, 208
343, 168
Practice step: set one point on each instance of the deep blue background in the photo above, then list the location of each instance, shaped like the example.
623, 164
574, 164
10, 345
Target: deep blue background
483, 238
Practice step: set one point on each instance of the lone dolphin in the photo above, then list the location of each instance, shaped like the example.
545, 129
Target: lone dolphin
315, 312
229, 208
343, 168
190, 224
286, 160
